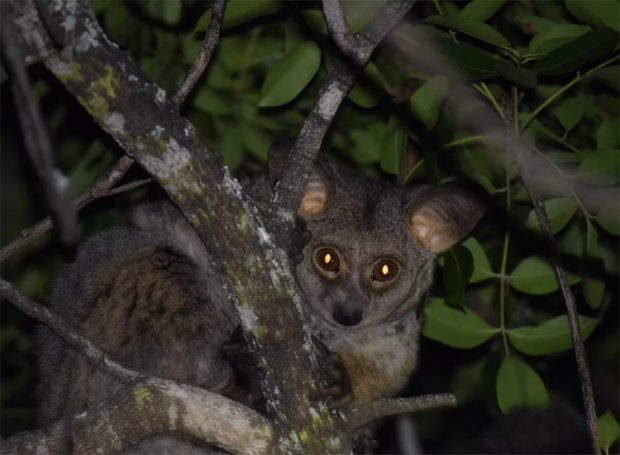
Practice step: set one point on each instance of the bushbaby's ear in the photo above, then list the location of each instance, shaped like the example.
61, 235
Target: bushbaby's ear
319, 184
443, 215
318, 191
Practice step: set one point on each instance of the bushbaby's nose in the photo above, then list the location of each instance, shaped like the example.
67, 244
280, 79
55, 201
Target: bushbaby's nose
348, 313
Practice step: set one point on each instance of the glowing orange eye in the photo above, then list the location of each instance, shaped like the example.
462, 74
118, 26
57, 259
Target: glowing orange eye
328, 260
384, 270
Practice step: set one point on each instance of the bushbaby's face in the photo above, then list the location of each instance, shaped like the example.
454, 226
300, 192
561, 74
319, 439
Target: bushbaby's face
362, 265
372, 253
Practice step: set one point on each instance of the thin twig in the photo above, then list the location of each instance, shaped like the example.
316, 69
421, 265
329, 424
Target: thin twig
58, 325
209, 44
36, 139
573, 317
521, 153
128, 186
100, 188
368, 413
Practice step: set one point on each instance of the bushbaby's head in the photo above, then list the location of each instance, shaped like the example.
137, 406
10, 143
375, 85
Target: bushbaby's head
373, 248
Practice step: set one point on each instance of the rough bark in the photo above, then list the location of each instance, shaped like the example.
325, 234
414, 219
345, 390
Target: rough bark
153, 407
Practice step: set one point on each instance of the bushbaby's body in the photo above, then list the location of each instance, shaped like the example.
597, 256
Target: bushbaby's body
148, 296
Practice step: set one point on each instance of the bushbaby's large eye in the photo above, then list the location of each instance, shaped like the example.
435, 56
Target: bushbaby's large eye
384, 270
328, 260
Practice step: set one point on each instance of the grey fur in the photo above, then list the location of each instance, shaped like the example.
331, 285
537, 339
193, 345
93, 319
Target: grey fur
148, 296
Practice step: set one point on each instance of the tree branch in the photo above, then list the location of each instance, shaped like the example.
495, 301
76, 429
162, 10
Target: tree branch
332, 93
36, 140
68, 333
211, 39
379, 409
339, 28
99, 189
520, 152
154, 407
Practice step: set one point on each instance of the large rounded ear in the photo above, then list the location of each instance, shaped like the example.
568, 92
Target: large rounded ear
318, 191
320, 182
443, 215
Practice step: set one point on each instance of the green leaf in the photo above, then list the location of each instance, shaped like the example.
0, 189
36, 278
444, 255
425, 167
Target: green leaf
482, 266
600, 13
426, 101
256, 141
368, 143
478, 30
230, 147
454, 327
601, 167
93, 162
239, 12
167, 10
365, 93
292, 34
519, 385
290, 75
593, 285
610, 76
607, 216
457, 270
520, 76
608, 430
211, 101
554, 36
549, 337
360, 12
559, 211
473, 63
569, 113
572, 239
535, 275
569, 57
608, 134
483, 164
393, 147
481, 10
315, 20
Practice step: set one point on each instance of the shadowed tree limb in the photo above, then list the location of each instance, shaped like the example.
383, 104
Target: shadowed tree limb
36, 139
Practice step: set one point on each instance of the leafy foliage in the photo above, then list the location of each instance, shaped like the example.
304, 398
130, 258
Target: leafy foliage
497, 294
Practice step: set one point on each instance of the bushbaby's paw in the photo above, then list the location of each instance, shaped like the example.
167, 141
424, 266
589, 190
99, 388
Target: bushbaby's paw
336, 390
244, 386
